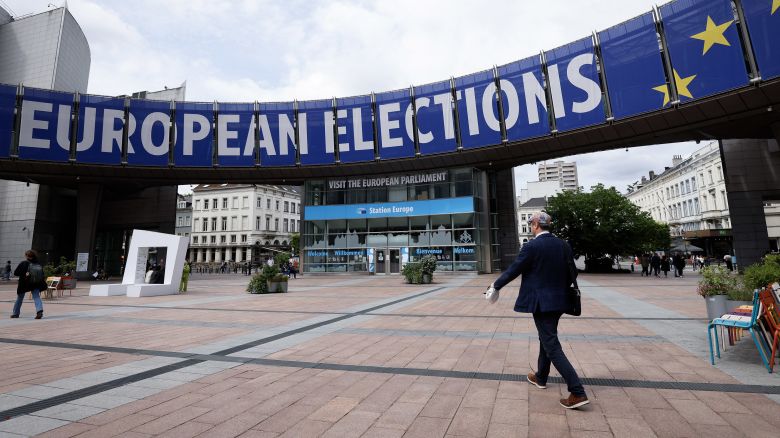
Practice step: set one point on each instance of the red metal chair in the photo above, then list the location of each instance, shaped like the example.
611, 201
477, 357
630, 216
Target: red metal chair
771, 316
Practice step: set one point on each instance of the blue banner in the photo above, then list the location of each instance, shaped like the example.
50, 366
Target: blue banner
194, 139
574, 85
44, 132
236, 135
523, 99
394, 124
633, 67
355, 129
277, 134
150, 140
390, 209
763, 24
315, 133
476, 95
435, 121
99, 136
704, 47
7, 104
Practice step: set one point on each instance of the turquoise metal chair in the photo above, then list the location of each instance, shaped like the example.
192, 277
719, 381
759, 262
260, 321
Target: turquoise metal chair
741, 323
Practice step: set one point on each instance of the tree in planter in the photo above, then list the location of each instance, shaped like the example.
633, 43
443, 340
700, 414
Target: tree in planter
759, 275
259, 282
278, 283
413, 272
428, 266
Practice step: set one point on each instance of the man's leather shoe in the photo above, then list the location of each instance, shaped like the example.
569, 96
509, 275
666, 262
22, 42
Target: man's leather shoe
14, 316
39, 315
533, 381
574, 401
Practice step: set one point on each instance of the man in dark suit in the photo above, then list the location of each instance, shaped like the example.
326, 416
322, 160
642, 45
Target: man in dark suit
544, 265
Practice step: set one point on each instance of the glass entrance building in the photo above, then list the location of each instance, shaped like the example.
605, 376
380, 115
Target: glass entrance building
376, 224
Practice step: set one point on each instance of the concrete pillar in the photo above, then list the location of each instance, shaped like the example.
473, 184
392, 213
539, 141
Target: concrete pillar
504, 185
208, 254
87, 208
750, 168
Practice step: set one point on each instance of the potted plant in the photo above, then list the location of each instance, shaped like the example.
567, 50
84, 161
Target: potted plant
715, 283
259, 282
277, 284
759, 275
413, 272
741, 295
427, 266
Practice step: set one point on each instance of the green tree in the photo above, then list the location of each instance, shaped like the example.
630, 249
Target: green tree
295, 243
604, 224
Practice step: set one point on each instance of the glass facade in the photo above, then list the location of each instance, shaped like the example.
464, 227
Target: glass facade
376, 224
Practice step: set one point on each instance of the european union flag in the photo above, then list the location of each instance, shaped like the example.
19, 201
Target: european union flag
704, 48
633, 66
763, 23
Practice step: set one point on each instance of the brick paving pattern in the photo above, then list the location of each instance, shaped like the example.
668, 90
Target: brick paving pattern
266, 383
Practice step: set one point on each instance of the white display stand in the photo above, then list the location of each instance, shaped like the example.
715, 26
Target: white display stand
133, 281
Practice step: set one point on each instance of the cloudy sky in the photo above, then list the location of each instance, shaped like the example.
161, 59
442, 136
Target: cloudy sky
246, 50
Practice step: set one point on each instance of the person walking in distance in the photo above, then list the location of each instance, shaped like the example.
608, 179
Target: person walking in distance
544, 264
31, 279
7, 271
645, 261
655, 264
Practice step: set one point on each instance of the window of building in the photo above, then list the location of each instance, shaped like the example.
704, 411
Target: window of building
235, 201
685, 209
720, 173
197, 204
704, 202
187, 221
277, 205
214, 204
233, 223
693, 183
213, 224
205, 204
667, 193
224, 223
196, 223
222, 239
259, 202
232, 238
257, 223
243, 238
687, 186
710, 174
194, 239
245, 202
286, 207
292, 207
244, 222
286, 226
268, 223
696, 205
268, 204
213, 239
276, 224
725, 200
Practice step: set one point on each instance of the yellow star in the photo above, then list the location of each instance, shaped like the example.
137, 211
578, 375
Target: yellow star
663, 89
682, 84
775, 5
713, 34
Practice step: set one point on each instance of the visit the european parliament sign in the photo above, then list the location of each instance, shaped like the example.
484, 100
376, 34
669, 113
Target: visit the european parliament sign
683, 51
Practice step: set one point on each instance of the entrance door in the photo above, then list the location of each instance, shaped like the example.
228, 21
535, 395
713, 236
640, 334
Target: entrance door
395, 261
381, 259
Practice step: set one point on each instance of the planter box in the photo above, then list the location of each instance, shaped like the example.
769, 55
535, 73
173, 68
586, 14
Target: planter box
716, 306
275, 286
427, 278
731, 304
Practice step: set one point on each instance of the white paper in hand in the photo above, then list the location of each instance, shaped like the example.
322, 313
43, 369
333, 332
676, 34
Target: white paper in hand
491, 295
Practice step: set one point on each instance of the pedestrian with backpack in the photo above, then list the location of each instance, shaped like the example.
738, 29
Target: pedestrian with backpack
31, 279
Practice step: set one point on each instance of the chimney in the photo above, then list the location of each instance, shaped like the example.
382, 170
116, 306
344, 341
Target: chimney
652, 175
644, 180
677, 159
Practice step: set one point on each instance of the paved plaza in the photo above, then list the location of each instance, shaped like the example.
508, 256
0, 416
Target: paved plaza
359, 356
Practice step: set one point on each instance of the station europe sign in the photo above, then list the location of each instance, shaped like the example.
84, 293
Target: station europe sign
617, 73
463, 204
